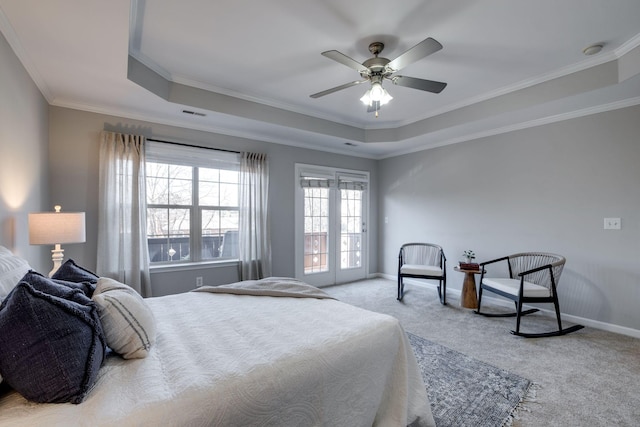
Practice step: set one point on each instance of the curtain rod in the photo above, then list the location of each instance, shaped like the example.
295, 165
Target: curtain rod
191, 145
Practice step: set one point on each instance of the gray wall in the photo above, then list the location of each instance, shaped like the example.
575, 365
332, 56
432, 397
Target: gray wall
23, 157
546, 188
74, 138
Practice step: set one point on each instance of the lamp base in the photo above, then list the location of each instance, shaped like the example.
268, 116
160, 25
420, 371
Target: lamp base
57, 255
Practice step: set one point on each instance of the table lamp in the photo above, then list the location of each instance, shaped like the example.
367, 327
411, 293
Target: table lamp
55, 228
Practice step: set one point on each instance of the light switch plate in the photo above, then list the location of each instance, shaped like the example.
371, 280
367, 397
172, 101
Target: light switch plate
612, 224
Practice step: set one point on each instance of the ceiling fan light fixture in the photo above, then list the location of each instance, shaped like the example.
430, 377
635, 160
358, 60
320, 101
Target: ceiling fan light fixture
376, 94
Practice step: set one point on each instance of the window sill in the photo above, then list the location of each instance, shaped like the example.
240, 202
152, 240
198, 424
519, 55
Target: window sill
163, 268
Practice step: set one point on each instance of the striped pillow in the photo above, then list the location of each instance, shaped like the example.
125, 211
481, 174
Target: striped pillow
127, 320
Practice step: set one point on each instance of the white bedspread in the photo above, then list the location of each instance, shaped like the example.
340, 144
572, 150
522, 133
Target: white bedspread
242, 360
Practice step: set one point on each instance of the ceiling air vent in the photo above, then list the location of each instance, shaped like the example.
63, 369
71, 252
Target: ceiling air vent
194, 113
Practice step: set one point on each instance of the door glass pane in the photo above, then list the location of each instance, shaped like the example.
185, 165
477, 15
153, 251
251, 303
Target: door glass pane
350, 228
316, 228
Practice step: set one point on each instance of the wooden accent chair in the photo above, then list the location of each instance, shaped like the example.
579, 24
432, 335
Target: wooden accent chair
423, 261
533, 277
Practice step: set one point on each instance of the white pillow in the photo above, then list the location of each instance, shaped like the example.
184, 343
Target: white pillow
127, 321
12, 269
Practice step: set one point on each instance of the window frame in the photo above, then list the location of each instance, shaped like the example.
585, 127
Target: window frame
196, 158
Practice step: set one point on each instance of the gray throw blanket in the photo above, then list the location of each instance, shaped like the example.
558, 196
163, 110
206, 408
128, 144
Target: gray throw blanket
270, 286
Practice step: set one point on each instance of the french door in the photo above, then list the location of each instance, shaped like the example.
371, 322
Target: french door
331, 220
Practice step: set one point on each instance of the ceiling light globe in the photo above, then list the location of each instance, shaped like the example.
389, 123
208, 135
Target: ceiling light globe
366, 98
385, 97
377, 92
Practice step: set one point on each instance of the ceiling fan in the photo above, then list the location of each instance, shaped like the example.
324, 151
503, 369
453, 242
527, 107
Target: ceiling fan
375, 69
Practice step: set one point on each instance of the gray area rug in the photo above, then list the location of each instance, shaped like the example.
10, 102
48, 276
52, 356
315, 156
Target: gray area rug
464, 391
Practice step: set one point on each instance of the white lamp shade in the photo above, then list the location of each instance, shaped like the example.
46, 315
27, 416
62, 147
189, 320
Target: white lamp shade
50, 228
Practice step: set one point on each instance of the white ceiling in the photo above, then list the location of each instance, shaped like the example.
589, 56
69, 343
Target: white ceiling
250, 65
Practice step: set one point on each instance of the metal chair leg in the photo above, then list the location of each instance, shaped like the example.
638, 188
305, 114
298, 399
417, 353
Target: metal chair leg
556, 304
557, 333
477, 311
519, 315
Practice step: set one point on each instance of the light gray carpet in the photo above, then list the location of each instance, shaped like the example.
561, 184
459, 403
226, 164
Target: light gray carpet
588, 378
465, 392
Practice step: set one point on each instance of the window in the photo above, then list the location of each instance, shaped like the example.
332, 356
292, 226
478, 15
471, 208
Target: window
192, 204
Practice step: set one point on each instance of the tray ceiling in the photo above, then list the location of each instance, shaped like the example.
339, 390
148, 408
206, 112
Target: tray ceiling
248, 67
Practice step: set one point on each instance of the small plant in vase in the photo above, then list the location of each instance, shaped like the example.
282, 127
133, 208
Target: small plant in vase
467, 263
469, 256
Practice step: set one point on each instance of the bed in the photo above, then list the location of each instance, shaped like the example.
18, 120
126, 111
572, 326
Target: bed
275, 352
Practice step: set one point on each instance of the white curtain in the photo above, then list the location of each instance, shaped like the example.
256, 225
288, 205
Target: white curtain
123, 254
254, 239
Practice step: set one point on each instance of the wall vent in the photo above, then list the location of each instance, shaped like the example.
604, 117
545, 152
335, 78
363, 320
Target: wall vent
194, 113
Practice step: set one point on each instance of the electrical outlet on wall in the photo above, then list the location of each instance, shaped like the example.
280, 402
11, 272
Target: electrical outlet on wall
198, 281
612, 224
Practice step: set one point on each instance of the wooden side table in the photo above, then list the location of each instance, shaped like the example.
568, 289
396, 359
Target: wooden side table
468, 297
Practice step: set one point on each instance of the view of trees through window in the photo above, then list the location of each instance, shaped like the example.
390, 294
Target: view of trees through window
316, 228
192, 213
350, 228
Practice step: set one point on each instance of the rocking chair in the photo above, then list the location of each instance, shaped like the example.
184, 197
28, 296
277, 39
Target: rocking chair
533, 277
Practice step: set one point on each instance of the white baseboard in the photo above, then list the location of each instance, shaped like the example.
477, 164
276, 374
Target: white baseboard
610, 327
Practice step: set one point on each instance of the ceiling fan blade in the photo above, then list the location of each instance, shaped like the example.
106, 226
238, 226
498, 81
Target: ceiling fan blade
412, 82
337, 88
419, 51
345, 60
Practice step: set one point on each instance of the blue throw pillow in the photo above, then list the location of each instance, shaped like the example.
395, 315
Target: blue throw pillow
44, 283
51, 341
72, 272
87, 288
